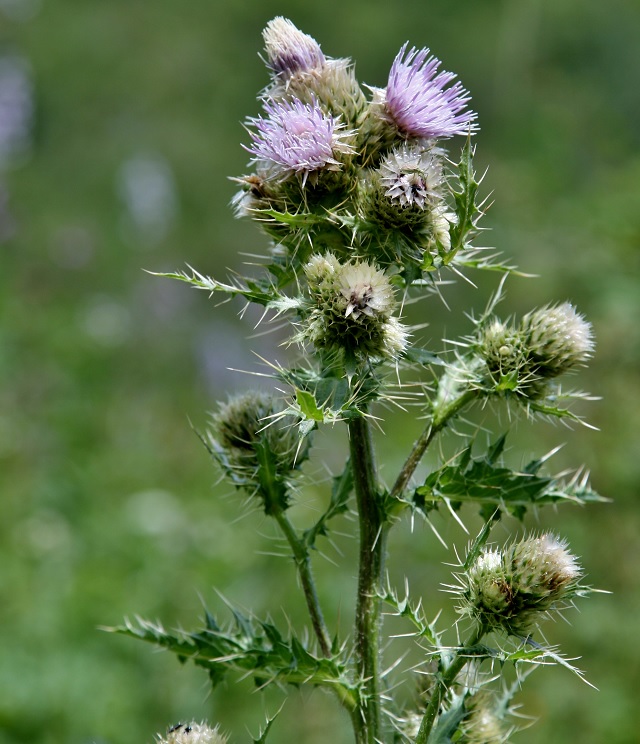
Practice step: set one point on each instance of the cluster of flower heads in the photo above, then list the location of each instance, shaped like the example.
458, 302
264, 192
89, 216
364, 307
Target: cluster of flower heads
192, 733
510, 589
547, 343
320, 142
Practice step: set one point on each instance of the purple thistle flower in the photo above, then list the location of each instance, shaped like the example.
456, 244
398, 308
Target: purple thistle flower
298, 138
418, 100
289, 50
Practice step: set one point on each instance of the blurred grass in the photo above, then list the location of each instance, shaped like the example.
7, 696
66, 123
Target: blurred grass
110, 506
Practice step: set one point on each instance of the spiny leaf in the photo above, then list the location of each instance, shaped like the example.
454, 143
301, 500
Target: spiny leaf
422, 356
481, 539
340, 492
484, 481
260, 292
262, 737
248, 646
308, 406
448, 722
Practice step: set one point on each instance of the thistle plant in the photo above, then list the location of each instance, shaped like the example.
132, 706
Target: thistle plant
366, 210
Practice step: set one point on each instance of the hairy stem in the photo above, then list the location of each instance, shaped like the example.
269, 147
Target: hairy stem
371, 565
446, 679
439, 421
303, 564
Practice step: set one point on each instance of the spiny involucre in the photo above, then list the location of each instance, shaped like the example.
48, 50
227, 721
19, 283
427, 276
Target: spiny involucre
558, 338
407, 192
351, 309
251, 431
512, 588
548, 342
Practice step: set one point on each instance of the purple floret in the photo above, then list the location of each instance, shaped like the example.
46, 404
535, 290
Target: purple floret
298, 137
418, 100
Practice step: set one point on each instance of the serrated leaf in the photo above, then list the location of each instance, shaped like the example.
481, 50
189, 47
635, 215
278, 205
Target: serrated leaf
448, 722
260, 292
248, 646
262, 737
484, 481
340, 491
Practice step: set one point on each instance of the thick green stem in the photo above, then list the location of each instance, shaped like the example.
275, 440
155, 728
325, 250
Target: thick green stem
439, 421
446, 679
303, 564
373, 534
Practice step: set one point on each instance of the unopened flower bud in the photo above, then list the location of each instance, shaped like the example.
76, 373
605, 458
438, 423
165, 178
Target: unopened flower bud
248, 429
502, 348
512, 588
406, 188
193, 733
548, 342
302, 72
289, 50
482, 725
352, 309
557, 338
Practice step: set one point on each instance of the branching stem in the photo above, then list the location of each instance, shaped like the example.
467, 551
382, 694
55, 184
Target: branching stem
303, 564
439, 421
446, 679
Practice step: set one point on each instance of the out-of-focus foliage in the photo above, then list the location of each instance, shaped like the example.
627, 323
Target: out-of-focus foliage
128, 118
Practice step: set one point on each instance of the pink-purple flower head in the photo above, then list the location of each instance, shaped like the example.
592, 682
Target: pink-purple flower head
298, 138
289, 50
418, 100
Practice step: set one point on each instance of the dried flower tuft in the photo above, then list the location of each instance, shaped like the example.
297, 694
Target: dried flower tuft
558, 339
193, 733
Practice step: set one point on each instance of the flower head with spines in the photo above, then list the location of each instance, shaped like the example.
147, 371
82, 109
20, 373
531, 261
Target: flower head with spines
419, 100
299, 138
558, 338
289, 50
511, 589
248, 432
351, 310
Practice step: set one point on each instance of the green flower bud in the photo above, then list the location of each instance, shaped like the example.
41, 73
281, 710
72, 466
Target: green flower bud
351, 310
256, 448
512, 588
193, 733
557, 339
482, 725
406, 188
548, 342
503, 350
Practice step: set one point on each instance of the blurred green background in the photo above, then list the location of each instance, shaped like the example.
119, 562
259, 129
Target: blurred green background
120, 121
